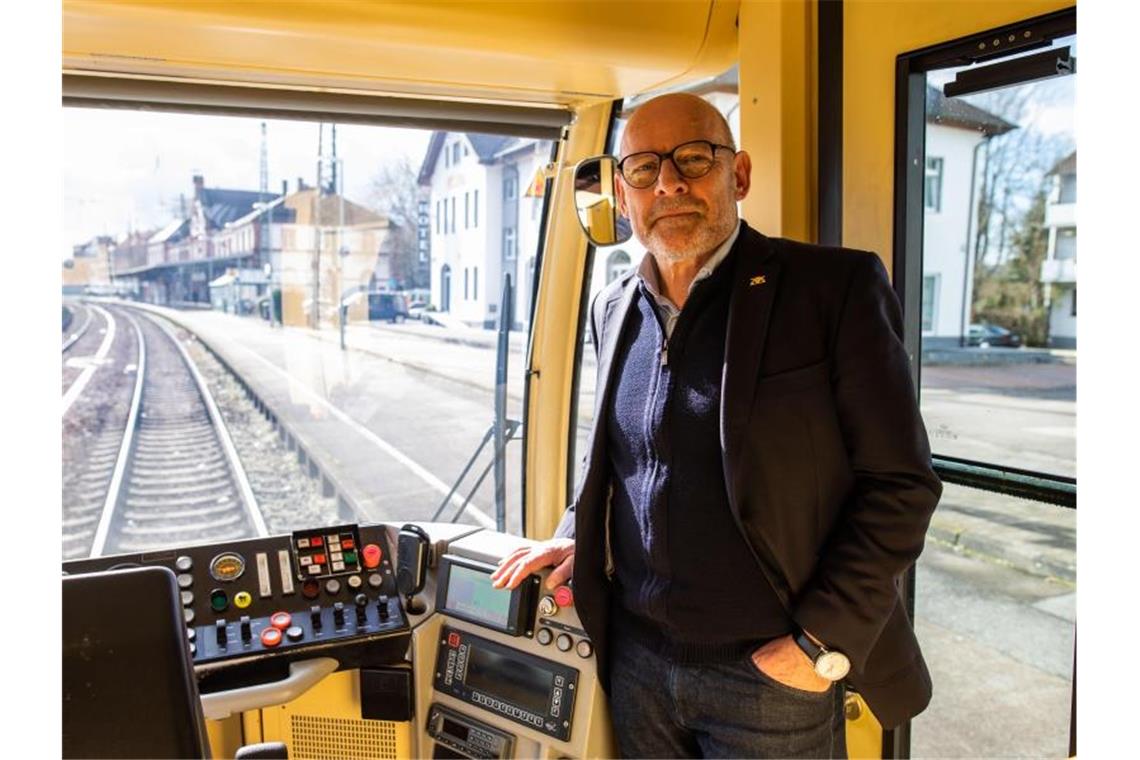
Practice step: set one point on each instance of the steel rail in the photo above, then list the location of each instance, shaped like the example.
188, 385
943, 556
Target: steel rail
85, 377
237, 470
75, 336
112, 498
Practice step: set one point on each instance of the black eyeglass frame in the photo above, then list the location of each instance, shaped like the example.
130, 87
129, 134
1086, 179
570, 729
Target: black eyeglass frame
669, 155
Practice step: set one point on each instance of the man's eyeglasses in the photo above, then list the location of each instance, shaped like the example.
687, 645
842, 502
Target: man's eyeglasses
692, 159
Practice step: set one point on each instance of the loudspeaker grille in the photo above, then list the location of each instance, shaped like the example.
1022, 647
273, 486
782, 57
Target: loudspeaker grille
321, 738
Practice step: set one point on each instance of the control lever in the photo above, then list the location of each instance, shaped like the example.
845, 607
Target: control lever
412, 549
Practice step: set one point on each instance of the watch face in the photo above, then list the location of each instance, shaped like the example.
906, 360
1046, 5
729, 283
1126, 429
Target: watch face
832, 665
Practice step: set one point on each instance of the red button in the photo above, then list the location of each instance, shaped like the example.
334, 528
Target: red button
311, 589
564, 596
317, 541
319, 559
453, 640
346, 543
271, 637
372, 555
281, 620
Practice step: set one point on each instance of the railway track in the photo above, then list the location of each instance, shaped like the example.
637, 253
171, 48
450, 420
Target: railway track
175, 476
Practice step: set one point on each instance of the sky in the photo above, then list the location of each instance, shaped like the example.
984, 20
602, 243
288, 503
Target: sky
125, 170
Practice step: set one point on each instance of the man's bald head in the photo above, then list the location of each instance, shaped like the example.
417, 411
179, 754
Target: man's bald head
679, 107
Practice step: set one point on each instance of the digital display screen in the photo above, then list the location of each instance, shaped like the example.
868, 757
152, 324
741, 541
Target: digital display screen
469, 593
511, 680
451, 728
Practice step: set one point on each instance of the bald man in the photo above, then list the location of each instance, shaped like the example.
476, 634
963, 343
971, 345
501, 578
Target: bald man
757, 479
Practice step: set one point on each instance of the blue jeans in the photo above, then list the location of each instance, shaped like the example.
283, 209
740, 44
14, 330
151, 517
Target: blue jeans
662, 708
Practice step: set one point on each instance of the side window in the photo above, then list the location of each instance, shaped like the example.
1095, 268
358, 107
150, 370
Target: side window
988, 289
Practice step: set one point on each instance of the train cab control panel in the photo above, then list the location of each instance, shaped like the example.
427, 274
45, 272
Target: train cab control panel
481, 672
510, 673
266, 602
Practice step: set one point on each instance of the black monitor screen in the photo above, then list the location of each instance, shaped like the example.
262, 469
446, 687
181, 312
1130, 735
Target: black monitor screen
517, 682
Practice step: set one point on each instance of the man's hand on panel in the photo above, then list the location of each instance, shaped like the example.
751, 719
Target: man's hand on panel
557, 553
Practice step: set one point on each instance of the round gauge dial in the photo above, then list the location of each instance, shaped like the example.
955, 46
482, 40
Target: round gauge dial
227, 566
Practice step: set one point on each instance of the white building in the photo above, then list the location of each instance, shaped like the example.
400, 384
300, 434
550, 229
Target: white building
1060, 266
956, 133
485, 205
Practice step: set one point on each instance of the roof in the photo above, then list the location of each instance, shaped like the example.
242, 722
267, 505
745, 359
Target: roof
222, 206
955, 112
487, 148
278, 212
1067, 165
175, 229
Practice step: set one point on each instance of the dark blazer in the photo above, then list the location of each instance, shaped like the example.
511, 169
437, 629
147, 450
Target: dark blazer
826, 459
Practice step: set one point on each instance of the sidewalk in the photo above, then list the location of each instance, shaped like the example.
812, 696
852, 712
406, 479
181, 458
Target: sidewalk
1032, 537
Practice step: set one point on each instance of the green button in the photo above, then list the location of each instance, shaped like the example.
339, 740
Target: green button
350, 557
218, 600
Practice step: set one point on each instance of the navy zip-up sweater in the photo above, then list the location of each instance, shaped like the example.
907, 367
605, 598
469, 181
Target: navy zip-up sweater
687, 583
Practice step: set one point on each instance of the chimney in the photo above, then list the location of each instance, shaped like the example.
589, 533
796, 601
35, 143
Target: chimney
199, 184
284, 187
300, 184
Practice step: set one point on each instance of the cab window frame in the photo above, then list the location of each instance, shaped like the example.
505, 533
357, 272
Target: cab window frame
121, 92
910, 176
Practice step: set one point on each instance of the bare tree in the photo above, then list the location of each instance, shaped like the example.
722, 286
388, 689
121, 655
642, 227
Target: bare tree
1013, 168
395, 193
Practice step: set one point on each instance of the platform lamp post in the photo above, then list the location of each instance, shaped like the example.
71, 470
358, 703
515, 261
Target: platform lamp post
267, 268
266, 208
342, 298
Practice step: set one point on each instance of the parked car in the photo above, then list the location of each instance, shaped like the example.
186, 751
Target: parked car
392, 307
986, 335
416, 309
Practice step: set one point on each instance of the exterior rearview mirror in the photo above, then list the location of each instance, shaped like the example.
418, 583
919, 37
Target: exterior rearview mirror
596, 202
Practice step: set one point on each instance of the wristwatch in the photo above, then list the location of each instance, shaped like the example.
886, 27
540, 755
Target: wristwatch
828, 663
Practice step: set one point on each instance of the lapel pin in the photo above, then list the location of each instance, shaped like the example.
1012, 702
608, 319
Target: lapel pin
758, 280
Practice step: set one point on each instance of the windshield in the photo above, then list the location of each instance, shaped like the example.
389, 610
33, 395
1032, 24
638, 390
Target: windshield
239, 352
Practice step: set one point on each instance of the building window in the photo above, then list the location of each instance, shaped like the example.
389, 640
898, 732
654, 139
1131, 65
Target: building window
1066, 243
438, 228
1073, 312
933, 192
466, 284
453, 213
1068, 189
475, 283
455, 153
476, 213
929, 297
509, 247
446, 157
510, 187
467, 211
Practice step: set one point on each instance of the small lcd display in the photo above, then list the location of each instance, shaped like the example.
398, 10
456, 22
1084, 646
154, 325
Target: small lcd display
514, 681
469, 593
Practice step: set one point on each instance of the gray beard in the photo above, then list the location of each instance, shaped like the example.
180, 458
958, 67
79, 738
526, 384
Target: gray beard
704, 242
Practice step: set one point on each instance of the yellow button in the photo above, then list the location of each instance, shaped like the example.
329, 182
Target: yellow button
242, 599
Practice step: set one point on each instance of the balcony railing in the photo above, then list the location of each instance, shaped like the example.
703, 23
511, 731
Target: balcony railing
1061, 215
1059, 271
